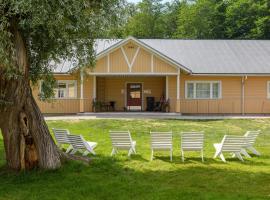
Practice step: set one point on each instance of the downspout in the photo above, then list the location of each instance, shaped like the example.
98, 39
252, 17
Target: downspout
244, 78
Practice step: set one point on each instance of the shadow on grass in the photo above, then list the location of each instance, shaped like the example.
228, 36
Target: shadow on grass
108, 178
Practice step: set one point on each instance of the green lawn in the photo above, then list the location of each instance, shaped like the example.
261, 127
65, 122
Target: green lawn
137, 178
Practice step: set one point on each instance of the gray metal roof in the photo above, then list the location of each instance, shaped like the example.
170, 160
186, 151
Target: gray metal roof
217, 56
203, 56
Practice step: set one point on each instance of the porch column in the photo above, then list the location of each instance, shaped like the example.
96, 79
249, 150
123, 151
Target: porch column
177, 109
81, 92
167, 87
94, 87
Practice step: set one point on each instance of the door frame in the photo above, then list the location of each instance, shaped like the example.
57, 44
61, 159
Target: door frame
142, 101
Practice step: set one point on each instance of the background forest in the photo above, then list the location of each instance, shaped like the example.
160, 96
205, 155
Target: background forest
193, 19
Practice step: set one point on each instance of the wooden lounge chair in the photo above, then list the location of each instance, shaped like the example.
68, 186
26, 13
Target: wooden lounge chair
192, 141
80, 144
121, 140
161, 141
251, 137
232, 144
61, 138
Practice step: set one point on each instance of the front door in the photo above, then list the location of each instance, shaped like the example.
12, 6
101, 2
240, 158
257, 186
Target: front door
134, 96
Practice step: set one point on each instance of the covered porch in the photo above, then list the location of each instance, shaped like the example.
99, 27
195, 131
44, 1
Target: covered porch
132, 93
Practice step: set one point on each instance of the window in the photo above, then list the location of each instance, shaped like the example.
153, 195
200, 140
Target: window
64, 89
203, 89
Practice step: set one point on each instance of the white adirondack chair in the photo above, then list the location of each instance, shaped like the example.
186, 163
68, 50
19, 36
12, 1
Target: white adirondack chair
192, 141
232, 144
80, 144
161, 141
61, 138
251, 137
121, 140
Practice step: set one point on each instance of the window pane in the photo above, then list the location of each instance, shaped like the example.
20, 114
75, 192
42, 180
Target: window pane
215, 90
71, 90
61, 92
202, 90
190, 90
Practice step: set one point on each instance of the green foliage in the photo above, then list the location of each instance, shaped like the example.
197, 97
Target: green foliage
219, 19
121, 177
54, 30
203, 19
248, 19
152, 19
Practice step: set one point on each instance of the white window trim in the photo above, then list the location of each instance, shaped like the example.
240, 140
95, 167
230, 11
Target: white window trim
66, 82
268, 88
211, 89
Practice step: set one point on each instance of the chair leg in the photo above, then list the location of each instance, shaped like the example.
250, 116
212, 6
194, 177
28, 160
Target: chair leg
73, 151
86, 153
217, 154
92, 151
238, 155
113, 152
130, 152
202, 156
222, 157
171, 155
69, 149
152, 155
245, 153
253, 150
134, 150
183, 159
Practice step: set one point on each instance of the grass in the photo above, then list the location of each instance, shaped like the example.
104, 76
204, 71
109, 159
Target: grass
137, 178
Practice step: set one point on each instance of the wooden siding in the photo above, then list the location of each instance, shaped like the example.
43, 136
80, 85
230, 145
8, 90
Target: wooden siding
101, 65
230, 101
115, 88
172, 92
67, 105
142, 62
256, 100
161, 66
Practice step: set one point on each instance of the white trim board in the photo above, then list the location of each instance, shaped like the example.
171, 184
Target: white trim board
145, 47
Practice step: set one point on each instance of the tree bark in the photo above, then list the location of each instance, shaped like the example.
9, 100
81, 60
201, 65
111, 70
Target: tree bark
28, 143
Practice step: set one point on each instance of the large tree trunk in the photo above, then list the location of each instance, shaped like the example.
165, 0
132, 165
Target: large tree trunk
28, 143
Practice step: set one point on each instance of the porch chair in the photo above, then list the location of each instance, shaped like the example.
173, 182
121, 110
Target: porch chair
161, 141
192, 141
121, 140
251, 137
80, 144
61, 138
231, 144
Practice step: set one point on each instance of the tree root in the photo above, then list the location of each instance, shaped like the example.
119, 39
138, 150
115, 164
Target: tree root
66, 157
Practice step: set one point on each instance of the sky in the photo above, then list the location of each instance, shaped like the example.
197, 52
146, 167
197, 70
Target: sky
136, 1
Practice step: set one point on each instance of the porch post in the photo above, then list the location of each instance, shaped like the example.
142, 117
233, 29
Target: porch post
178, 92
81, 91
167, 87
94, 87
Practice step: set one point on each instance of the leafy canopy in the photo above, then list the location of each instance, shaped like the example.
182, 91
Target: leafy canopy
53, 30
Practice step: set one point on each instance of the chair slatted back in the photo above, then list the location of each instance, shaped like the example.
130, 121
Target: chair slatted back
121, 139
233, 143
251, 137
192, 140
161, 140
61, 135
77, 141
